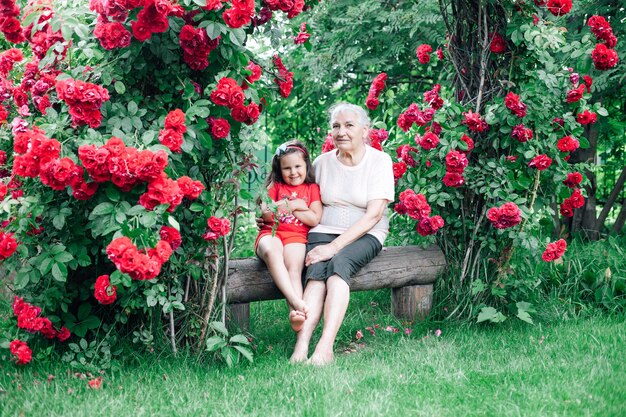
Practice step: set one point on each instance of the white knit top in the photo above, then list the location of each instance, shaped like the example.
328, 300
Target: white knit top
345, 190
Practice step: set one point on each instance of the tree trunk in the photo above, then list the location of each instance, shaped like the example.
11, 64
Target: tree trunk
610, 202
585, 218
621, 219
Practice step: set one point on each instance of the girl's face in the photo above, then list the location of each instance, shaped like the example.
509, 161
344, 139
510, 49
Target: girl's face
293, 168
348, 134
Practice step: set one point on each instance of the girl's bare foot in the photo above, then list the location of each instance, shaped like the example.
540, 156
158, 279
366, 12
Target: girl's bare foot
296, 319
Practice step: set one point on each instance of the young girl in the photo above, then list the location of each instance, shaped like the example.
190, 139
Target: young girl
296, 201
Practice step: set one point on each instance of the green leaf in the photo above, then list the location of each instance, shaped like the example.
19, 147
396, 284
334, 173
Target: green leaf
45, 266
132, 108
247, 353
602, 111
214, 343
21, 279
218, 326
102, 209
83, 311
91, 322
59, 272
196, 207
491, 314
58, 221
120, 88
229, 356
239, 338
63, 257
201, 3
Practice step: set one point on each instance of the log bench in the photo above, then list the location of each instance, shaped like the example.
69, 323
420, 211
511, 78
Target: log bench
410, 272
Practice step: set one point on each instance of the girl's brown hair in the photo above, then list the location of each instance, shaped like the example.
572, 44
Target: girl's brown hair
287, 148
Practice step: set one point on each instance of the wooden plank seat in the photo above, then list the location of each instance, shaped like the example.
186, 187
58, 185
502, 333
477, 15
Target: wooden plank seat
410, 272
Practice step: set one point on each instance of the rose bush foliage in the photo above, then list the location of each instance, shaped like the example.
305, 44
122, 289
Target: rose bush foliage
497, 175
125, 129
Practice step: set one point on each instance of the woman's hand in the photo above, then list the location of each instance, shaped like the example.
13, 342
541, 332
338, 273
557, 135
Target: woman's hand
320, 253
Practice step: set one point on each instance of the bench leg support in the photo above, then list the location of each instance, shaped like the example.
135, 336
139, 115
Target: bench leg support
240, 316
412, 301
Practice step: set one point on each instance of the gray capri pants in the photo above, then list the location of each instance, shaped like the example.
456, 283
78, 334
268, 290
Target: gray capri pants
347, 262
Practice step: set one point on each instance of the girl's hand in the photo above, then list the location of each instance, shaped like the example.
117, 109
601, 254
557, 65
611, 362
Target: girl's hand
297, 204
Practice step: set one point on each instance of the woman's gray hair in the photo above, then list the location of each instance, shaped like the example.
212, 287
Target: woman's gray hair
363, 118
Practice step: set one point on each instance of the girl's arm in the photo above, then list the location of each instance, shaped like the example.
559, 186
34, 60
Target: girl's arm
310, 216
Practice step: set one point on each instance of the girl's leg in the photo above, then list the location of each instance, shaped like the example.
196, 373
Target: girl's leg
335, 306
294, 262
314, 295
270, 250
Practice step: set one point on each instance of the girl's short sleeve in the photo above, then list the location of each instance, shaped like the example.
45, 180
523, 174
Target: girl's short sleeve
273, 192
314, 193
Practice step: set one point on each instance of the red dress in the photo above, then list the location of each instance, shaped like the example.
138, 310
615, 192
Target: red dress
290, 229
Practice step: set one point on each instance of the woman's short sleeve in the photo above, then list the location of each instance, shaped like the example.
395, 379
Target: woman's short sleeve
380, 181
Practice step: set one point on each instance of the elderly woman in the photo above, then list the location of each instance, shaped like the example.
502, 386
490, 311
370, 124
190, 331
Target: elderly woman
356, 183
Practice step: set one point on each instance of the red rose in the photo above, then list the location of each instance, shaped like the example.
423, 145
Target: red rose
104, 292
540, 162
220, 128
576, 94
63, 334
521, 133
474, 122
469, 142
498, 44
429, 225
566, 208
512, 102
559, 7
21, 351
567, 144
405, 153
239, 113
588, 82
586, 117
8, 245
162, 251
456, 162
453, 179
372, 102
175, 120
190, 188
508, 215
576, 199
171, 236
573, 179
554, 250
172, 139
423, 53
428, 141
399, 168
603, 57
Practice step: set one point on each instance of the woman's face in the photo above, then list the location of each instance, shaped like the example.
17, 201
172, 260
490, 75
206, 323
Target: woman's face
348, 133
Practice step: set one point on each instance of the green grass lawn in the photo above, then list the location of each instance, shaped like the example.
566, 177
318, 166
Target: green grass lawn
572, 367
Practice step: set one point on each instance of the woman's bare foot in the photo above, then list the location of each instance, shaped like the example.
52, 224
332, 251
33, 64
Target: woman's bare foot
321, 360
296, 319
299, 355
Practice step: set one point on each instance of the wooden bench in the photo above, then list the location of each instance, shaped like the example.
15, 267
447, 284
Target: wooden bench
409, 271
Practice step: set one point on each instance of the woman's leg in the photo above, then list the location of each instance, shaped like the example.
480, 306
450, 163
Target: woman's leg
270, 250
335, 306
294, 262
314, 294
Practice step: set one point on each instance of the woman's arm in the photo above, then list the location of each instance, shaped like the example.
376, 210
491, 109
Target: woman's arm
310, 216
373, 213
